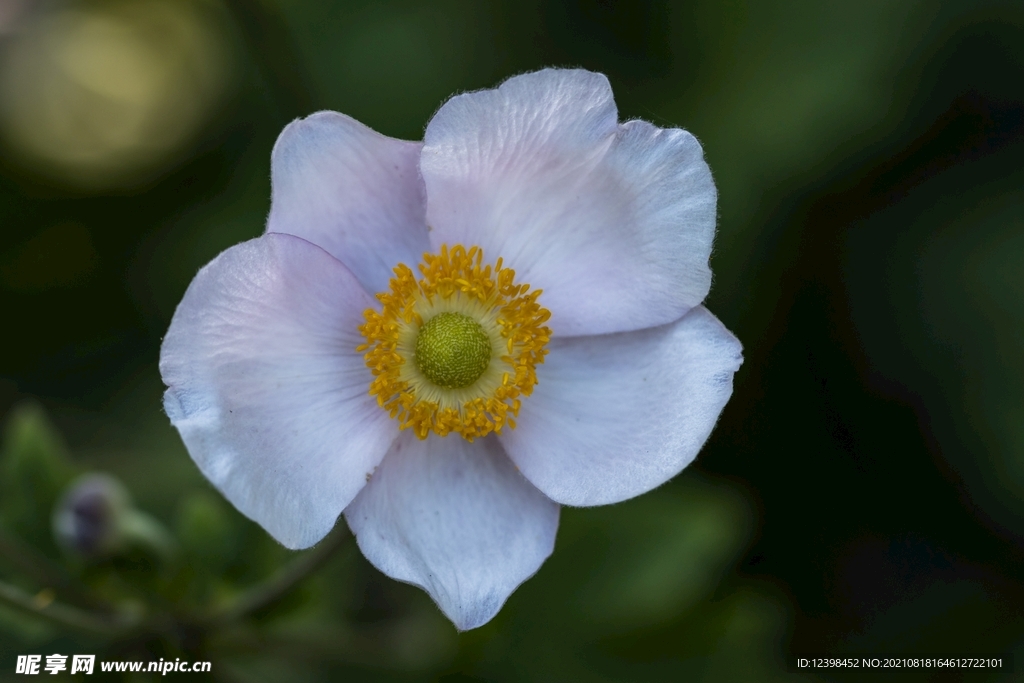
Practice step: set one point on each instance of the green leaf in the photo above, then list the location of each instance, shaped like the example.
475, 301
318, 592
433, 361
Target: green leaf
34, 469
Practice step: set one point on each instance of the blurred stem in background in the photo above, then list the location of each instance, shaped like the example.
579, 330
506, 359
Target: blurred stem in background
112, 624
30, 562
95, 521
268, 593
43, 606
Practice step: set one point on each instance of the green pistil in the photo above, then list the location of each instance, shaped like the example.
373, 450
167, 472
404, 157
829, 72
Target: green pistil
452, 350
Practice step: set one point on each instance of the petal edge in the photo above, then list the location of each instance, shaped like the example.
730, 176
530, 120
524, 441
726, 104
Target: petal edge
455, 519
615, 416
614, 222
266, 389
351, 191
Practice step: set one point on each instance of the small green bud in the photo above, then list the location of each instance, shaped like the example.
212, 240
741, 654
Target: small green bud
95, 519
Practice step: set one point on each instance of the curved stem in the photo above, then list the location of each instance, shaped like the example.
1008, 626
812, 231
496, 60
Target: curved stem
46, 573
278, 586
140, 528
60, 614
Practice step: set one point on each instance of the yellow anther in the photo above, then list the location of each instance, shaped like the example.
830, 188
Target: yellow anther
472, 390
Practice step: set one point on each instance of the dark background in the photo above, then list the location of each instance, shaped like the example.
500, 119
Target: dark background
864, 489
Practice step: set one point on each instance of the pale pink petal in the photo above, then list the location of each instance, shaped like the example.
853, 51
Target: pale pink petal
456, 519
614, 222
351, 191
267, 390
614, 416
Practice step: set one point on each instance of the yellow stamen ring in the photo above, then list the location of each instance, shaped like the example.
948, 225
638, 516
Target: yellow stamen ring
455, 350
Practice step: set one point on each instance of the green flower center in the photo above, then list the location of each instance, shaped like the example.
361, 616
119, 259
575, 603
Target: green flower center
452, 350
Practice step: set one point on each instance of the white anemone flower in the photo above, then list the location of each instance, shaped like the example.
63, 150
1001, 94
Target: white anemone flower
537, 337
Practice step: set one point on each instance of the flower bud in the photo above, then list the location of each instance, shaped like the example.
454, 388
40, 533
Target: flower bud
95, 518
86, 521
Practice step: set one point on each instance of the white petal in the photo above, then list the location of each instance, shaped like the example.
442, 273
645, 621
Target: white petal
456, 519
351, 191
615, 416
613, 222
267, 390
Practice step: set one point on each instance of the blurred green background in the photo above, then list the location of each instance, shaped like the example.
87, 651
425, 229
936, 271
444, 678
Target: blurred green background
864, 489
